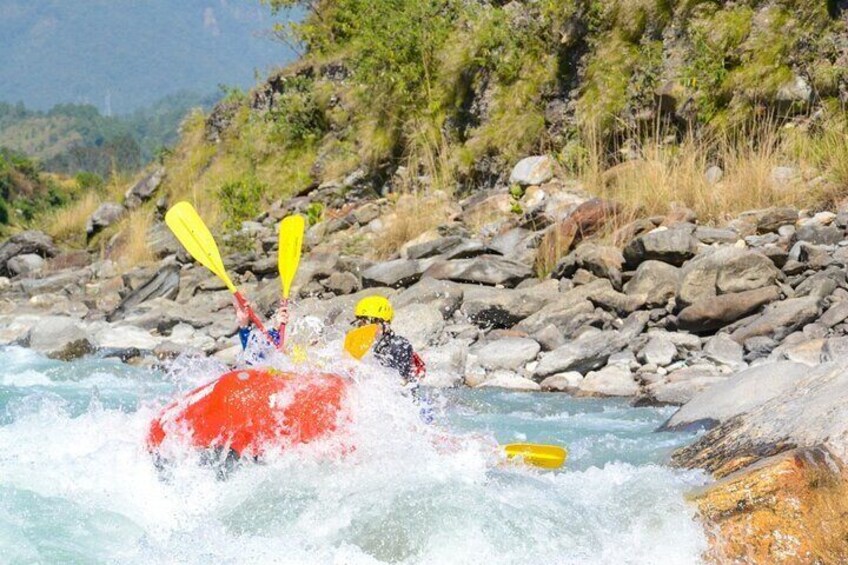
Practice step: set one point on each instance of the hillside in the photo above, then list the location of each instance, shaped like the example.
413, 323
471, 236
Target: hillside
447, 95
96, 52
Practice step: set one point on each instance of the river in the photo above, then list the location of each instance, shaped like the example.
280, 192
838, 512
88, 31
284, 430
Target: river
78, 486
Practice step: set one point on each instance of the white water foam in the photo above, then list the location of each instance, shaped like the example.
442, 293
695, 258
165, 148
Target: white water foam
77, 485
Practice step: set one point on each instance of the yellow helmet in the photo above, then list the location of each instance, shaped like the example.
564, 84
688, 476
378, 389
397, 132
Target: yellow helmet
374, 307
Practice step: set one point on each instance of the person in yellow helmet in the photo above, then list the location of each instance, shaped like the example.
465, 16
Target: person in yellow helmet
390, 349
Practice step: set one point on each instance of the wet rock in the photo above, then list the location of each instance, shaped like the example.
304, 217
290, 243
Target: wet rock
511, 381
419, 323
613, 380
562, 382
784, 509
673, 246
398, 273
143, 190
445, 296
56, 335
25, 243
485, 269
588, 352
106, 214
508, 353
725, 270
737, 394
655, 282
532, 171
25, 265
712, 313
779, 319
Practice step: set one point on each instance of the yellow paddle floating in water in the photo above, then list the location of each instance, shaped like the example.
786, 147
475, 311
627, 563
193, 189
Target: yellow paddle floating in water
538, 455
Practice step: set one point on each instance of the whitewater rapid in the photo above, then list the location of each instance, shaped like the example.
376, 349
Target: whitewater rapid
78, 486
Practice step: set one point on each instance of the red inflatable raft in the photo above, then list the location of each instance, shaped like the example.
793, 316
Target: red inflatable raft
249, 410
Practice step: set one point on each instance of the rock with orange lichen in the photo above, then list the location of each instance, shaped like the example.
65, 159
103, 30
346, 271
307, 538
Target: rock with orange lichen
789, 508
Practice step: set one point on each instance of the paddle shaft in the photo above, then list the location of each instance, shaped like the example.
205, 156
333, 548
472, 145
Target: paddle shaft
284, 320
243, 303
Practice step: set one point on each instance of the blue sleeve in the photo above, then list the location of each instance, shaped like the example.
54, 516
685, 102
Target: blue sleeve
275, 335
244, 334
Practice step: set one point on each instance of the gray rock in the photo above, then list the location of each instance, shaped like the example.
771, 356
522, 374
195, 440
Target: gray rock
342, 282
680, 392
532, 171
822, 284
445, 364
834, 348
614, 380
779, 319
724, 351
503, 308
562, 382
588, 352
165, 283
434, 247
143, 190
507, 353
796, 90
621, 304
54, 335
820, 235
770, 219
712, 313
836, 314
125, 337
513, 243
814, 256
445, 296
398, 273
673, 246
658, 351
25, 264
713, 174
161, 241
710, 235
601, 260
485, 269
25, 243
510, 381
808, 352
549, 338
725, 270
654, 281
737, 395
366, 213
105, 215
419, 323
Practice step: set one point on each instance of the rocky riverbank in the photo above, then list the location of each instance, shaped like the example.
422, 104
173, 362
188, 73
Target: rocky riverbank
743, 324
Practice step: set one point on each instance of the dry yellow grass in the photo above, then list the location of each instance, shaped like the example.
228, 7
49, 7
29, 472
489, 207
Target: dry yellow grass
414, 214
68, 224
131, 248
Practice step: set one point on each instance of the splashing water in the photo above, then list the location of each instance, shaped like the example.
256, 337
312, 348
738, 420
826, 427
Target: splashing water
77, 484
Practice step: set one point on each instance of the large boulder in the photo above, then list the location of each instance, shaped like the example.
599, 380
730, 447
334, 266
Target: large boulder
588, 352
534, 170
24, 243
502, 307
725, 270
106, 214
565, 311
683, 385
508, 353
614, 380
655, 282
779, 319
165, 283
673, 246
712, 313
445, 296
737, 395
398, 273
419, 323
56, 336
143, 190
485, 269
25, 265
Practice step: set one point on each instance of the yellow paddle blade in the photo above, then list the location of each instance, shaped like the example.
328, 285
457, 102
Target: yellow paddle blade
545, 456
291, 244
358, 341
189, 229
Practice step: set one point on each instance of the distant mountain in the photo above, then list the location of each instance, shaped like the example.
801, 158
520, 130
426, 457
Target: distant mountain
120, 55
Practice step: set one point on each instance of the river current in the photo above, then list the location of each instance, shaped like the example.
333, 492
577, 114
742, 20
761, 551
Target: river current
78, 486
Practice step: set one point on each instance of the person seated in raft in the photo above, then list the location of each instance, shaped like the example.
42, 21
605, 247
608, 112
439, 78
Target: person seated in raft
246, 326
392, 350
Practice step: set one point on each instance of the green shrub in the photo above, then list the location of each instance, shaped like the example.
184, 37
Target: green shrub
89, 181
241, 200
